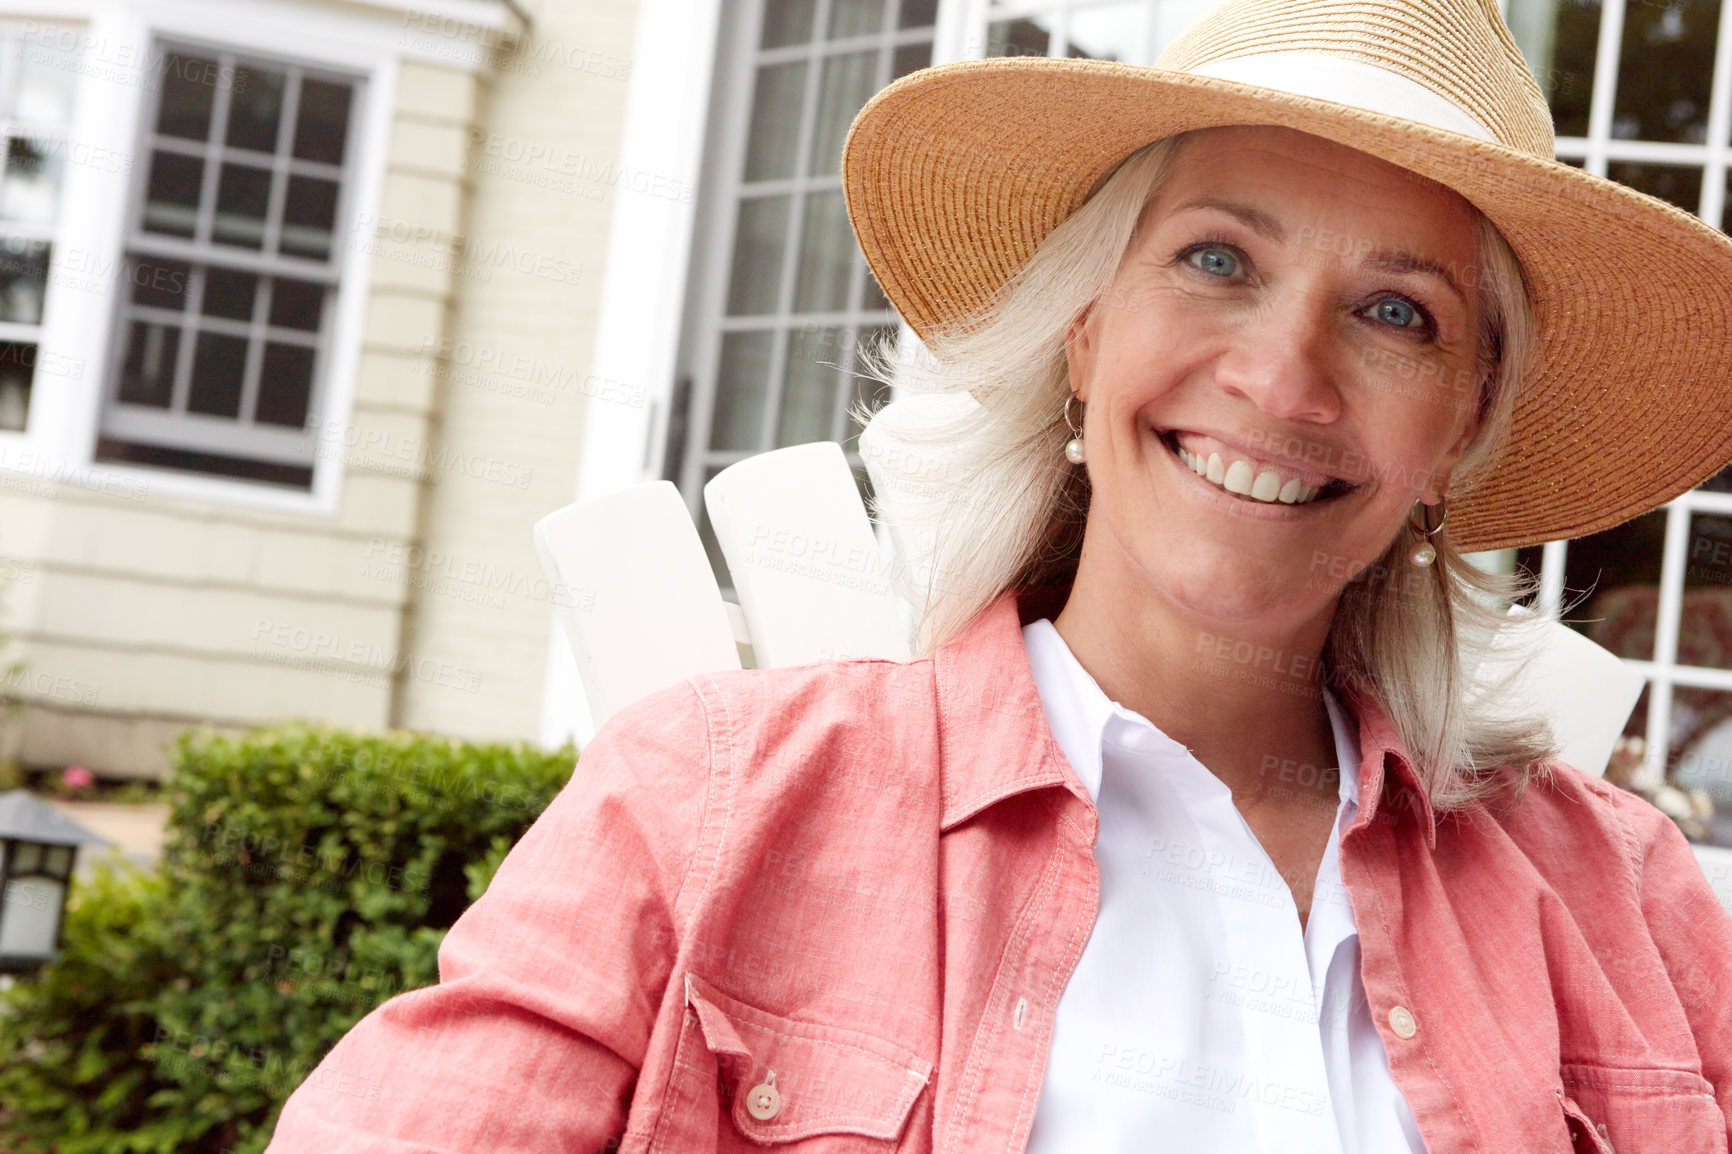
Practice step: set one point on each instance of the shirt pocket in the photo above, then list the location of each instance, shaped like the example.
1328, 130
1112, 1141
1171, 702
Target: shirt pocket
1623, 1110
787, 1081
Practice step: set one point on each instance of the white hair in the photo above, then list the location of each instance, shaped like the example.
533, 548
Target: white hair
1010, 510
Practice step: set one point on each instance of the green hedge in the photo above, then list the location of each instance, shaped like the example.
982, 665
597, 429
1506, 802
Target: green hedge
309, 875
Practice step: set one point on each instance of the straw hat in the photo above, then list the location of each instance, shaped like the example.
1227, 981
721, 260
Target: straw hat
955, 174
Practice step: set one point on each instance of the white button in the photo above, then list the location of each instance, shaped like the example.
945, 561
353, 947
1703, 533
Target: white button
1402, 1021
764, 1101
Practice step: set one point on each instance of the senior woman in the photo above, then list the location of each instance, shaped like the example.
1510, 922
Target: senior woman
1191, 832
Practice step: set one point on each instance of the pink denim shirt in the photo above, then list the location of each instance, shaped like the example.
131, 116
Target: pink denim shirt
874, 879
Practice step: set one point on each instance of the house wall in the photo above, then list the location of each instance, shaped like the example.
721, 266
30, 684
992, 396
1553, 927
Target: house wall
416, 599
544, 179
138, 614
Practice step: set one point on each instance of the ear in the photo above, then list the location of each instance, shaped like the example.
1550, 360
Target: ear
1079, 352
1445, 469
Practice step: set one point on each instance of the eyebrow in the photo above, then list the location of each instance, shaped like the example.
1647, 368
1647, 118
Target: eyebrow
1256, 220
1399, 260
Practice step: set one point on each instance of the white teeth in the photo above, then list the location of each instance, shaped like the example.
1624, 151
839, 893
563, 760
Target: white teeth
1241, 478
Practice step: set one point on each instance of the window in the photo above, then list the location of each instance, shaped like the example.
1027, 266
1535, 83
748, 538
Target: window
37, 81
784, 299
1127, 31
232, 262
1640, 93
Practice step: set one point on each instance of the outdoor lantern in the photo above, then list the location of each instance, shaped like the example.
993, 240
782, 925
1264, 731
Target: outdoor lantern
37, 846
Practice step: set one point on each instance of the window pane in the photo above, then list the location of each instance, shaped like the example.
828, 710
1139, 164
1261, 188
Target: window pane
171, 200
917, 14
1560, 38
32, 183
160, 284
255, 109
243, 197
147, 374
760, 238
218, 367
309, 216
742, 383
47, 78
1705, 631
322, 121
59, 860
229, 293
809, 388
23, 273
1694, 784
27, 859
297, 304
846, 85
285, 386
1678, 184
1116, 32
1700, 758
855, 17
910, 58
17, 362
1665, 71
188, 84
826, 255
1017, 38
787, 22
775, 131
1622, 568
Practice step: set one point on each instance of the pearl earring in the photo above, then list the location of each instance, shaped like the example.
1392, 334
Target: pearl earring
1425, 553
1073, 449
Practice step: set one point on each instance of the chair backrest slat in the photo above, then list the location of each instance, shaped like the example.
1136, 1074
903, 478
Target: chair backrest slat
805, 563
635, 593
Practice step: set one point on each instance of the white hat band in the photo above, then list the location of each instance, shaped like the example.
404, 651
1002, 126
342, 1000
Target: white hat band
1346, 81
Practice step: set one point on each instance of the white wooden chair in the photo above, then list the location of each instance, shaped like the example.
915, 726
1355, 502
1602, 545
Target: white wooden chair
640, 605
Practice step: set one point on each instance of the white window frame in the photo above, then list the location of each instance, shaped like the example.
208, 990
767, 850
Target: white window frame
1598, 150
366, 40
708, 320
238, 438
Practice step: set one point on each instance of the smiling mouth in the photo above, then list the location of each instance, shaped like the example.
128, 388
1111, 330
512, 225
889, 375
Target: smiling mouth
1239, 476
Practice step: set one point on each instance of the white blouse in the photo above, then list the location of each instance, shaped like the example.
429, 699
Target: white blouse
1199, 1018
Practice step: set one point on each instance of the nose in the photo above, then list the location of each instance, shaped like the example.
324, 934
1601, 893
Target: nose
1279, 362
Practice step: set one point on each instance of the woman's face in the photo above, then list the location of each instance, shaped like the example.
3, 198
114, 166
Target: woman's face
1297, 320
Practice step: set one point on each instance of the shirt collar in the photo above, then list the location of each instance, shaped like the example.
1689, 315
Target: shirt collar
995, 741
1082, 716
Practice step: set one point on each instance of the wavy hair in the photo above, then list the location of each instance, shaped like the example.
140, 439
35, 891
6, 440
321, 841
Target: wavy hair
1003, 510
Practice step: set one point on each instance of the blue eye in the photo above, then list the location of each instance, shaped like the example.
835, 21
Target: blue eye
1399, 313
1215, 261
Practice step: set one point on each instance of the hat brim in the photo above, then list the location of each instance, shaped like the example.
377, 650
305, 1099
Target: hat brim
954, 175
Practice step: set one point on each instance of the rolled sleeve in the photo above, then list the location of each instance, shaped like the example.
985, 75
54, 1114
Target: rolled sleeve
549, 984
